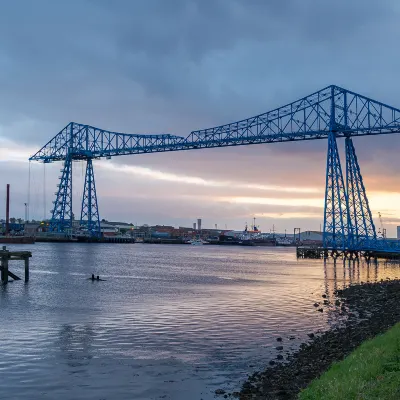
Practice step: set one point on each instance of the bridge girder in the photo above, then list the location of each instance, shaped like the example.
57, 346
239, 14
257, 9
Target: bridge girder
331, 109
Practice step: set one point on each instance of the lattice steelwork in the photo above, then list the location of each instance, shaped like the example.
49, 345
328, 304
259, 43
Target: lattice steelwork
336, 222
330, 113
90, 218
309, 118
61, 219
363, 228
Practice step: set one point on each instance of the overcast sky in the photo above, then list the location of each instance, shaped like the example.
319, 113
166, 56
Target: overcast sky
153, 66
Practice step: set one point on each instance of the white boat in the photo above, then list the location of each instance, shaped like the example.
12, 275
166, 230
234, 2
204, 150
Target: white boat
197, 242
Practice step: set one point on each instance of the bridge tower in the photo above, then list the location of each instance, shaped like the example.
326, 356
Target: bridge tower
360, 216
61, 219
336, 215
90, 218
348, 223
62, 215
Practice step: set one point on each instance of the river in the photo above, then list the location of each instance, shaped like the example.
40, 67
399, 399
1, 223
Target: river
169, 321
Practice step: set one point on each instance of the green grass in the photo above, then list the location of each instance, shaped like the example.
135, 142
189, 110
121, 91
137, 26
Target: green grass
372, 371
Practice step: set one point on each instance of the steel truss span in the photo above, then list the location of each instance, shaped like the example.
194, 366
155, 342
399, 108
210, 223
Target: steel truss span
330, 113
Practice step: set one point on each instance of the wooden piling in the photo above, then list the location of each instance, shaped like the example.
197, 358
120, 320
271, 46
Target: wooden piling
6, 256
310, 252
4, 265
26, 269
2, 270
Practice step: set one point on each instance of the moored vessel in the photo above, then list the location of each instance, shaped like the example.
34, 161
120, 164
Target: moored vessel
17, 239
197, 242
252, 237
284, 241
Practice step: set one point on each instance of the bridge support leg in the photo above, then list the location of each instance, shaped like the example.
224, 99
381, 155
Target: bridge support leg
90, 218
336, 223
61, 219
363, 228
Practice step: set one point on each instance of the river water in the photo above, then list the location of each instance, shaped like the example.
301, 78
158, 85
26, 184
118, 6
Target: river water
169, 321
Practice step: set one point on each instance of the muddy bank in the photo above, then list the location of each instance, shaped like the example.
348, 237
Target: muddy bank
371, 308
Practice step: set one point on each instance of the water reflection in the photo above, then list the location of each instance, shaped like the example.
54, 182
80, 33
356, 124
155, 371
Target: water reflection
76, 345
166, 317
3, 295
355, 271
340, 273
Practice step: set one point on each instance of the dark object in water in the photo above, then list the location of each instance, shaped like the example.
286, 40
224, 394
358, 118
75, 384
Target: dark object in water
92, 278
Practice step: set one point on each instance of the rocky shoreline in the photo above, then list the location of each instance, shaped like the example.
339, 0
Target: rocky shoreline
371, 308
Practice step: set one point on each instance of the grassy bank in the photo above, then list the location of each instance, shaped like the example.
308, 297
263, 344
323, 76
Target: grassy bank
372, 371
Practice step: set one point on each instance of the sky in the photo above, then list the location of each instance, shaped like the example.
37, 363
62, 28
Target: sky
153, 66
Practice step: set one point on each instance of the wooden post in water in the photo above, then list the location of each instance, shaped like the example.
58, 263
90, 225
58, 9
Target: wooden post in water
4, 266
26, 269
5, 256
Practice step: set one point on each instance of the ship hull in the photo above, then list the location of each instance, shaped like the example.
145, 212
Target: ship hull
16, 240
266, 243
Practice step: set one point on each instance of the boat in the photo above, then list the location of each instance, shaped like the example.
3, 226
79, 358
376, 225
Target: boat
284, 241
105, 239
197, 242
17, 239
253, 237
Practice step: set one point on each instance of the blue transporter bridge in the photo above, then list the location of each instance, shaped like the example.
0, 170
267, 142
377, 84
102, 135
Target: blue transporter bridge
329, 114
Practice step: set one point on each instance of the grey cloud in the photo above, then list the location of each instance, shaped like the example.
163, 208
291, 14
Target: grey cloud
174, 66
73, 61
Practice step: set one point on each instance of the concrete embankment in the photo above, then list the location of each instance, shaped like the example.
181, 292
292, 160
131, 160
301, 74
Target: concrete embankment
371, 308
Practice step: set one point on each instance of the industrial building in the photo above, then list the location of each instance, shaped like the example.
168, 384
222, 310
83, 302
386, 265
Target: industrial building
311, 236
